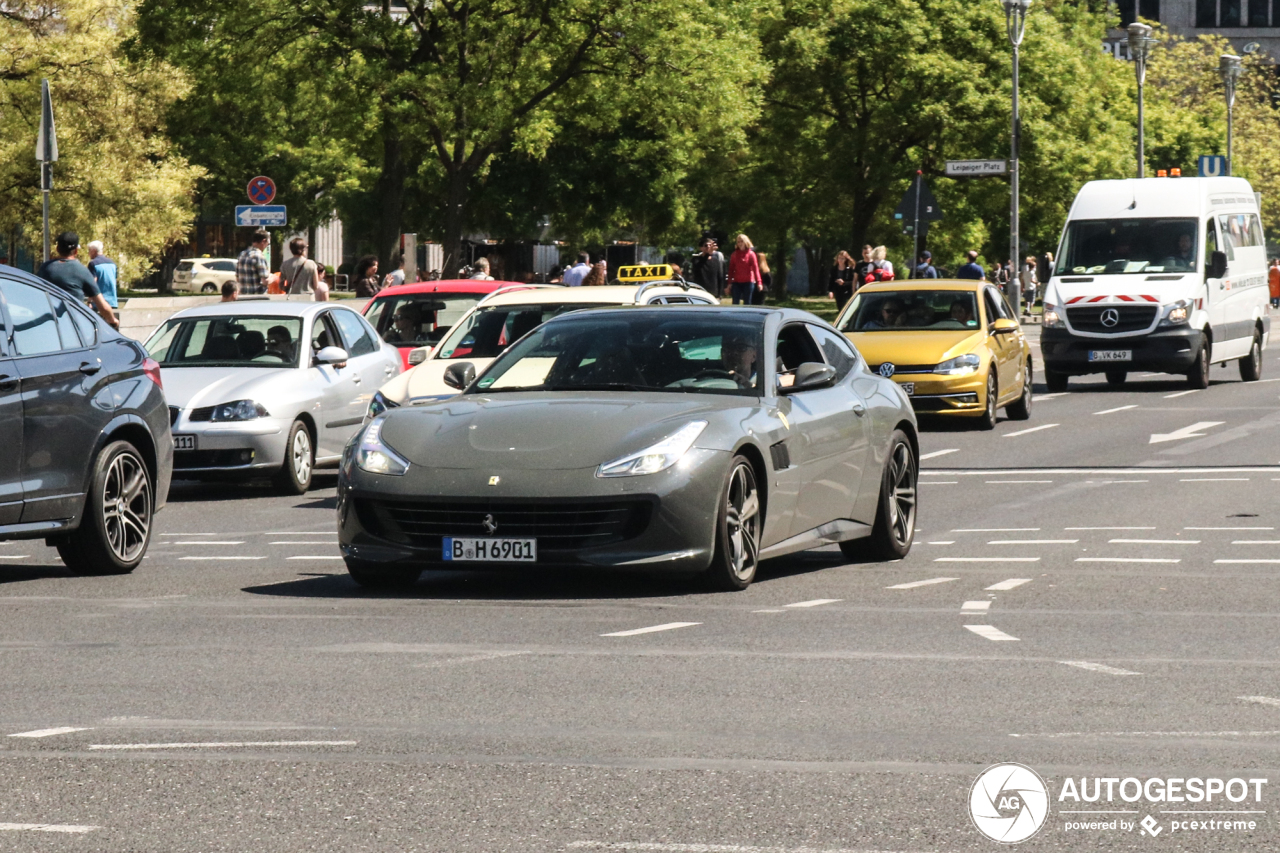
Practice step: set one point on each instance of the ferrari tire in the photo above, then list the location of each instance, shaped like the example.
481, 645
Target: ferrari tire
116, 526
294, 477
1251, 364
372, 576
895, 525
988, 418
738, 526
1020, 409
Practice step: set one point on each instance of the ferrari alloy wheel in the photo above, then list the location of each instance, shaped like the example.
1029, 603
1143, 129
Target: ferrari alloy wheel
895, 525
116, 527
1251, 364
738, 527
295, 474
1020, 409
988, 419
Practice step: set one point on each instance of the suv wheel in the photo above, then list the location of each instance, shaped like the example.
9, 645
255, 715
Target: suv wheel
116, 527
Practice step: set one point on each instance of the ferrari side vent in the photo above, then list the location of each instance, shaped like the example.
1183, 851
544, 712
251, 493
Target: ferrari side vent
780, 455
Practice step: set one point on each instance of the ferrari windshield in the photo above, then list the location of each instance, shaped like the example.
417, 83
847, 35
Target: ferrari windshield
1097, 246
641, 351
901, 310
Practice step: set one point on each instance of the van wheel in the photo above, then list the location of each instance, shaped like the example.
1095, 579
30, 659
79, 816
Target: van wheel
988, 419
1198, 375
1117, 377
1020, 409
1251, 364
1054, 381
116, 526
209, 287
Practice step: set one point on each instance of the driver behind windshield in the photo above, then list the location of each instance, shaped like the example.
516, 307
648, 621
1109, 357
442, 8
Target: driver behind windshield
960, 311
890, 315
280, 343
740, 358
405, 328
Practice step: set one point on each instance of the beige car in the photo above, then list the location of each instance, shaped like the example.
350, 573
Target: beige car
507, 315
203, 275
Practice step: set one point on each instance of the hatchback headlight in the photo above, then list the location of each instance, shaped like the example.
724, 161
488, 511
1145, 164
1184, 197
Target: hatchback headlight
377, 458
240, 410
1177, 313
961, 365
658, 457
378, 405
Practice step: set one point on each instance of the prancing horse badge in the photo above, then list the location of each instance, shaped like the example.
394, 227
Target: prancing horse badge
495, 480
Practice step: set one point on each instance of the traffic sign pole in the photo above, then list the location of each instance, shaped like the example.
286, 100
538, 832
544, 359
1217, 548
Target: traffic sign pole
915, 231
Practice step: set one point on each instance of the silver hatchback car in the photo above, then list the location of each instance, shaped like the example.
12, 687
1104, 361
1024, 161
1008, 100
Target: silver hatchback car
272, 389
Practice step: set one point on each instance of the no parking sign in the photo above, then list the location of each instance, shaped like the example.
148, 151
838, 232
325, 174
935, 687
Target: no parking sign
261, 190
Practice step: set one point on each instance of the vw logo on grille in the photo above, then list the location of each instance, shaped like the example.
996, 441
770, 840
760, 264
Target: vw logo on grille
887, 369
1110, 317
490, 526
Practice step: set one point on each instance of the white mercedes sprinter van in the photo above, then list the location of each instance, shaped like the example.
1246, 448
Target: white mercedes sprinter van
1158, 274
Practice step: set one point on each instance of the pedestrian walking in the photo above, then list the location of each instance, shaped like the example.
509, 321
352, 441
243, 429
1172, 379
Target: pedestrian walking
925, 269
881, 257
251, 266
864, 267
1273, 282
481, 270
1030, 283
574, 275
68, 273
844, 279
322, 284
766, 280
298, 274
366, 275
744, 271
396, 276
596, 277
104, 273
972, 270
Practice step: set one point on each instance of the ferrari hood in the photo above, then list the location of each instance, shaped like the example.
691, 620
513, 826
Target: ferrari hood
924, 347
540, 431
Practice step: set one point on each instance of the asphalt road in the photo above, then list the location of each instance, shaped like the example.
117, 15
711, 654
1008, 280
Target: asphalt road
1081, 600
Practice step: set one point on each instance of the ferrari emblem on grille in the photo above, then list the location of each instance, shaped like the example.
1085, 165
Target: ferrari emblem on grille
490, 526
495, 480
887, 369
1110, 317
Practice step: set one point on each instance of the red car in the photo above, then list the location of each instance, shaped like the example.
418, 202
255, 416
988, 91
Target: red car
426, 310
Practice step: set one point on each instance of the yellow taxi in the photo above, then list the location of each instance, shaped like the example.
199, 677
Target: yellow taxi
955, 347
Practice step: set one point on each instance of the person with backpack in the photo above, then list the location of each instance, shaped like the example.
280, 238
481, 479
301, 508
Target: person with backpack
298, 274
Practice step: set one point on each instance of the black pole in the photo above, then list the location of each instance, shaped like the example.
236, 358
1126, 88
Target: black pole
915, 231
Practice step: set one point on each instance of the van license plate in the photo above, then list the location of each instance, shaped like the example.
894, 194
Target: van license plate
908, 387
184, 442
1110, 355
490, 550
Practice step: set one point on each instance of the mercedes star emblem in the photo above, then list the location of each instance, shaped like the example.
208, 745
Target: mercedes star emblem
886, 369
1110, 317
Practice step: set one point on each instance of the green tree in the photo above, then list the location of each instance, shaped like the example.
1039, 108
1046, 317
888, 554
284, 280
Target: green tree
117, 178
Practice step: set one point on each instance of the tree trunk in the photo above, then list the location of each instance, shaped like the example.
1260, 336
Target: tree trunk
454, 222
390, 191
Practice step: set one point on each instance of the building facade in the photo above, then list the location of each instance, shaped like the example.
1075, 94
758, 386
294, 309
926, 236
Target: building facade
1245, 23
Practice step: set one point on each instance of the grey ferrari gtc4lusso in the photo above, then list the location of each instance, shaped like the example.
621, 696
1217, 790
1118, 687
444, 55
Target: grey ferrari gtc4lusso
681, 440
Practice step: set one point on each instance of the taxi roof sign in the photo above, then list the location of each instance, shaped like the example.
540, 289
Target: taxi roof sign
647, 272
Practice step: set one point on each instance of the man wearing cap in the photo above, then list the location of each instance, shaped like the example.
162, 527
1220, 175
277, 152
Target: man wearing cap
925, 268
69, 274
104, 273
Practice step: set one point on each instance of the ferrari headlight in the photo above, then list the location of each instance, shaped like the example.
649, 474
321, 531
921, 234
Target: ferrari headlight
240, 410
1050, 319
659, 457
1177, 313
377, 458
961, 365
378, 405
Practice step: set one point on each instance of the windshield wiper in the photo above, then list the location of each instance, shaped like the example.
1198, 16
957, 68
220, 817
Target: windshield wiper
603, 386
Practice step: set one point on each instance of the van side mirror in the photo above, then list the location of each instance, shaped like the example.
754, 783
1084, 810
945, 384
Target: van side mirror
1217, 264
460, 375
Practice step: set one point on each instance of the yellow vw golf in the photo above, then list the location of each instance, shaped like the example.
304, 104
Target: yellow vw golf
955, 347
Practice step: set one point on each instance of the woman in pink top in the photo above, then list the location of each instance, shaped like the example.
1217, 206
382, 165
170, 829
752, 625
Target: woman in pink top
744, 271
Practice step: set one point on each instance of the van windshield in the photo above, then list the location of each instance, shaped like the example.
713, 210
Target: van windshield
1097, 246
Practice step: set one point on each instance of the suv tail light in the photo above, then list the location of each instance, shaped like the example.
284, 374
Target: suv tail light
151, 367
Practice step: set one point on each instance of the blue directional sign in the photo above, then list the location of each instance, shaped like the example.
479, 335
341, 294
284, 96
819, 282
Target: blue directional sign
261, 215
1213, 166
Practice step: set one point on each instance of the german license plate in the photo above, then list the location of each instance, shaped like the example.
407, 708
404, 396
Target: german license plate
908, 387
184, 442
1110, 355
490, 550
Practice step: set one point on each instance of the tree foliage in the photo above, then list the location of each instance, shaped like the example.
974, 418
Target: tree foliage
117, 178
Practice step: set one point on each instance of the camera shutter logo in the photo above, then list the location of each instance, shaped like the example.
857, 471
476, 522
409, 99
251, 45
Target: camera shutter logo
887, 369
1110, 317
1009, 803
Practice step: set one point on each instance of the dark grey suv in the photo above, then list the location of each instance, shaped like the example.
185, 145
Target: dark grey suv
85, 450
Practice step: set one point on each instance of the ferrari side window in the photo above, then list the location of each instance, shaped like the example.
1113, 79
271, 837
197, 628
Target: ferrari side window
795, 347
837, 350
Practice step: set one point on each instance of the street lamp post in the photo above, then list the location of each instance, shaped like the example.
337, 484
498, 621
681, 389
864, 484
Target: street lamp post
1015, 17
1139, 46
1230, 68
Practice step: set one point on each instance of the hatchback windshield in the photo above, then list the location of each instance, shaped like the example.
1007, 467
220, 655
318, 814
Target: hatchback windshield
638, 352
898, 310
418, 319
488, 331
227, 342
1097, 246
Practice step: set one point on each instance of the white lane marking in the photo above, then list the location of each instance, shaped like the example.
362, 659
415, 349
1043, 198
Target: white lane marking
914, 584
467, 659
1228, 528
1127, 560
1185, 432
298, 533
1099, 667
663, 847
221, 558
1039, 397
942, 542
1108, 528
1011, 583
1115, 482
1255, 542
1261, 700
1014, 482
815, 603
1116, 409
213, 542
1215, 480
218, 744
1040, 472
14, 556
318, 557
986, 559
61, 730
1033, 541
295, 542
995, 530
770, 610
1032, 429
1181, 394
669, 626
975, 607
1153, 541
1246, 562
1149, 734
935, 454
939, 482
991, 632
46, 827
188, 534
